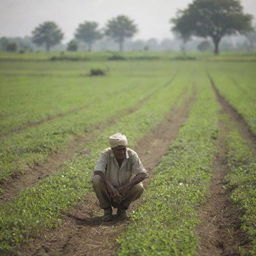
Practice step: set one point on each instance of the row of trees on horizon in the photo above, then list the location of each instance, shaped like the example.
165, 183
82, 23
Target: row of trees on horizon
209, 19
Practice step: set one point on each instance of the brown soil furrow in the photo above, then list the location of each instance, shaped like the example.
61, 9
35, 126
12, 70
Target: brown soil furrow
30, 177
82, 231
242, 125
219, 231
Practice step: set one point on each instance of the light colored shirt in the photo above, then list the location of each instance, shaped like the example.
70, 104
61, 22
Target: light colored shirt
108, 164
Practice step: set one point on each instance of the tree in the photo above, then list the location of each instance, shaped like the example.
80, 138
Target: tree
120, 28
212, 18
11, 47
88, 33
251, 37
3, 43
47, 34
204, 46
72, 46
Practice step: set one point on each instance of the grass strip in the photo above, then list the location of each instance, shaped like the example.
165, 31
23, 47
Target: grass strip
242, 180
166, 221
39, 207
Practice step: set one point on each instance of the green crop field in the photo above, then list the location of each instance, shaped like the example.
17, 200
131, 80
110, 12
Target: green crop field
55, 111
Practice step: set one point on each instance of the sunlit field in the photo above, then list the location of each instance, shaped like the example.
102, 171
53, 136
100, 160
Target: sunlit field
50, 104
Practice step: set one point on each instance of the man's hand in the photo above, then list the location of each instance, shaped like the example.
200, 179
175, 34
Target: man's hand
123, 190
113, 192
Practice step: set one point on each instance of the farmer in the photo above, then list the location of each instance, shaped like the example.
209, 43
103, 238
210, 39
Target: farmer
117, 177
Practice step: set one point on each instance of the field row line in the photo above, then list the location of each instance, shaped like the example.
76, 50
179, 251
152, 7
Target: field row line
232, 110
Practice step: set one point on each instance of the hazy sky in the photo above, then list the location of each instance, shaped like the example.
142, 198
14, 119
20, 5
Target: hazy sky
20, 17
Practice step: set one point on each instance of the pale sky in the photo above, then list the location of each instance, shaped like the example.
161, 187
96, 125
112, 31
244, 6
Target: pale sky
20, 17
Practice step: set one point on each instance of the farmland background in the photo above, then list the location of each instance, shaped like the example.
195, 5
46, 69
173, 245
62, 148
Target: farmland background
56, 118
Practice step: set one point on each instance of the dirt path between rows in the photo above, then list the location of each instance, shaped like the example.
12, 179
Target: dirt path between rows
219, 231
30, 177
82, 231
242, 125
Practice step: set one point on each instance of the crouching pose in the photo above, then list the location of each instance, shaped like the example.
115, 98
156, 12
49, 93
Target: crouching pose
118, 177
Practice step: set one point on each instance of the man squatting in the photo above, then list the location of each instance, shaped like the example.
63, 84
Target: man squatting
118, 177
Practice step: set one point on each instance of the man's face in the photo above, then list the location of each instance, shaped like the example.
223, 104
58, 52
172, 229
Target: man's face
119, 152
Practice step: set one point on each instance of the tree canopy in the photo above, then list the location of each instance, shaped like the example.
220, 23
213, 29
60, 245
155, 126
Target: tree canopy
72, 46
48, 34
88, 33
212, 18
119, 28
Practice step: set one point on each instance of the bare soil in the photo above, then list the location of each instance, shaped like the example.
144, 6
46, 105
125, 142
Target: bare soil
220, 229
83, 232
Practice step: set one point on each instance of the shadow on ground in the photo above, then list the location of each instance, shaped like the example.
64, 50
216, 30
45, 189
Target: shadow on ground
96, 221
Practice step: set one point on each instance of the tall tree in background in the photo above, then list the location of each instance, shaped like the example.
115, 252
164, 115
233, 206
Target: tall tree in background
48, 34
120, 28
251, 37
88, 33
212, 18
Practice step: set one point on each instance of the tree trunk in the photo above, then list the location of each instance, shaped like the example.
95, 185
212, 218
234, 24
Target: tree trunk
216, 42
47, 47
89, 47
121, 45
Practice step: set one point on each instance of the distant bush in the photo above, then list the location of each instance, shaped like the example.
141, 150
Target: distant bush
68, 58
116, 57
11, 47
72, 46
184, 58
97, 72
204, 46
145, 58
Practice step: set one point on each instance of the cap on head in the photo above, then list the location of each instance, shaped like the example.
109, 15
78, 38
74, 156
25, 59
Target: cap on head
117, 139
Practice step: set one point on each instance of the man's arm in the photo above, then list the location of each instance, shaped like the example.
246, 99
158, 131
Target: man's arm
138, 178
135, 180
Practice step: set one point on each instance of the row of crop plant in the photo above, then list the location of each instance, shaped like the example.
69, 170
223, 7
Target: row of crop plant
22, 151
40, 206
239, 90
35, 96
242, 182
165, 224
32, 100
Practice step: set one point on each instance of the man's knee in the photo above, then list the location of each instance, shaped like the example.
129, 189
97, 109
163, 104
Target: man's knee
138, 189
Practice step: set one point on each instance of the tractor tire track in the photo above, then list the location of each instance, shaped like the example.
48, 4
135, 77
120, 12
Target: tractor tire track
82, 231
20, 181
220, 229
